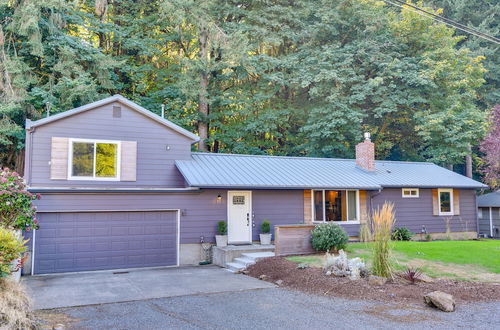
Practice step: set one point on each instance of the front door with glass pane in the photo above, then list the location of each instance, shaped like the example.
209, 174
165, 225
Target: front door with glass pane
239, 214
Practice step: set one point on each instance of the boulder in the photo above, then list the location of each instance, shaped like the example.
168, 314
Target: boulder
279, 282
424, 278
440, 300
263, 277
376, 280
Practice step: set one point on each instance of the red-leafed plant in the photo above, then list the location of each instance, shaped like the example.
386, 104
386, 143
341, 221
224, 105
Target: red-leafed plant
412, 275
490, 146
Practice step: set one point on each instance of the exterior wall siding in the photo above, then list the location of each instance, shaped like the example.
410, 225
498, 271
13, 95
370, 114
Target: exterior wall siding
413, 213
484, 222
155, 164
200, 211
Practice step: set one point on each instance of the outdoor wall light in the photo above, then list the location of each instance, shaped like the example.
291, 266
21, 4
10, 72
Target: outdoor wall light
219, 198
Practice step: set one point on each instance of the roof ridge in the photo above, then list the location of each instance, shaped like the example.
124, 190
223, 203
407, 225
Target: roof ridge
307, 157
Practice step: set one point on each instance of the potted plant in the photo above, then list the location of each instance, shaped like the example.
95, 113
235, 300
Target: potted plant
265, 233
221, 238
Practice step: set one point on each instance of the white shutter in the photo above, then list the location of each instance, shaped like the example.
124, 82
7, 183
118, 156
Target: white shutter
59, 158
128, 161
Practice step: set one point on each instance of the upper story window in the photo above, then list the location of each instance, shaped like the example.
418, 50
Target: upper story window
335, 205
445, 201
410, 192
94, 159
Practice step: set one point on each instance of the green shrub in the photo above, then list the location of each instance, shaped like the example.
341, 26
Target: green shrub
329, 237
265, 227
401, 234
11, 248
222, 228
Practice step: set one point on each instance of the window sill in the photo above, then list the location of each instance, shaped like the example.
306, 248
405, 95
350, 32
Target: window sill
445, 214
350, 222
82, 178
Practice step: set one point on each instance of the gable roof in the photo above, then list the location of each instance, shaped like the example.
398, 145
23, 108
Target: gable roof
206, 170
115, 98
489, 200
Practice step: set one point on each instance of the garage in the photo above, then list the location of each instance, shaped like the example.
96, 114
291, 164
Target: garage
86, 241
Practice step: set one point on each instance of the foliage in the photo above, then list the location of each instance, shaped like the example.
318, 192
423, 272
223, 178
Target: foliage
410, 274
265, 227
16, 209
279, 77
365, 233
428, 237
401, 234
383, 221
222, 228
490, 146
329, 237
11, 248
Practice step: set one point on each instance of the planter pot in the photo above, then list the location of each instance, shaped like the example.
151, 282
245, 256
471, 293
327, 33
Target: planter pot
221, 240
265, 239
16, 276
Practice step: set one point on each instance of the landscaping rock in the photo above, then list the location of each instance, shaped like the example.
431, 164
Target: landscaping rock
263, 277
424, 278
440, 300
58, 327
303, 266
376, 280
245, 272
279, 282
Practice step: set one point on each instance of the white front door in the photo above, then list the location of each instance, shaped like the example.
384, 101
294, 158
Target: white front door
239, 216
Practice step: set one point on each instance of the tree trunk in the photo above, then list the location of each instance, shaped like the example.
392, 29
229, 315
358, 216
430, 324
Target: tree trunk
203, 102
450, 167
468, 162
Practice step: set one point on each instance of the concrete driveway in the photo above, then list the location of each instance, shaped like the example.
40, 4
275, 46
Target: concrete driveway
80, 289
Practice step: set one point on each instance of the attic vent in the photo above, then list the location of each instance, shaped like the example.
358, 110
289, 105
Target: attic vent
117, 112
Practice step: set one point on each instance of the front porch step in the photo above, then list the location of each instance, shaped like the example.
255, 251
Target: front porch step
241, 263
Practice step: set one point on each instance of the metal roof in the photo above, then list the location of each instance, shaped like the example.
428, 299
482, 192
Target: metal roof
115, 98
489, 200
208, 170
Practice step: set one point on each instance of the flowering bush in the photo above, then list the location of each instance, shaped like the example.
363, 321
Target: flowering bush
16, 209
11, 248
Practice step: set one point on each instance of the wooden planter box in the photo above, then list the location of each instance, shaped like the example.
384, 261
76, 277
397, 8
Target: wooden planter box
293, 239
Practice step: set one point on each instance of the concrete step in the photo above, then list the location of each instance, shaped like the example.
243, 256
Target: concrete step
235, 267
244, 261
258, 255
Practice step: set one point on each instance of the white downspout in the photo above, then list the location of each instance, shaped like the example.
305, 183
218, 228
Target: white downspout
33, 253
491, 222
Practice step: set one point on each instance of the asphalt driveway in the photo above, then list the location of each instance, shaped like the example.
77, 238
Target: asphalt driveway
80, 289
273, 308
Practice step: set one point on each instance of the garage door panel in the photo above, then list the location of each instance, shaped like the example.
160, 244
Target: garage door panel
69, 242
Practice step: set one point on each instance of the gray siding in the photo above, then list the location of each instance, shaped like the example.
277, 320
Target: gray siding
413, 213
484, 222
155, 165
200, 211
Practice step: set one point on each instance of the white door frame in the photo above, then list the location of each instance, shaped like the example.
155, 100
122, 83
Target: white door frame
230, 193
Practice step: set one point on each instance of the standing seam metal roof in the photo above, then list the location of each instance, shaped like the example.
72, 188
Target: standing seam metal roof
208, 170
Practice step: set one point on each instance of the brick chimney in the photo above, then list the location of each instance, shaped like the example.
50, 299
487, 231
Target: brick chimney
365, 154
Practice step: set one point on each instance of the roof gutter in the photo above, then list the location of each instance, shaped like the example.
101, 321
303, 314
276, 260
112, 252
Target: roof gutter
83, 190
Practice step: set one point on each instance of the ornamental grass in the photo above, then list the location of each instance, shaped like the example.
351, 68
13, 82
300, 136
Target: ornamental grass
383, 221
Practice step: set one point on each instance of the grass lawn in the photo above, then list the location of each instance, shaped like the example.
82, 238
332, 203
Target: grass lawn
464, 260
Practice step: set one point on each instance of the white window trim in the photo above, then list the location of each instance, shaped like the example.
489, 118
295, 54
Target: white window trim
347, 222
410, 196
451, 201
93, 177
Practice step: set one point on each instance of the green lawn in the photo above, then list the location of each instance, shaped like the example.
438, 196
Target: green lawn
466, 260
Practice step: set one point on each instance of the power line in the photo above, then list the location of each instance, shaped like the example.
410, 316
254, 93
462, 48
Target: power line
451, 22
444, 20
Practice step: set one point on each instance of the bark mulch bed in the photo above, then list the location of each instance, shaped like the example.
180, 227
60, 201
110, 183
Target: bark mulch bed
312, 280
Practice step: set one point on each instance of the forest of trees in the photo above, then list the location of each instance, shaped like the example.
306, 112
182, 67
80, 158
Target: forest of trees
278, 77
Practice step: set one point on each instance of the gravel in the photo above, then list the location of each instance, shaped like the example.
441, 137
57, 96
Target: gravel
275, 308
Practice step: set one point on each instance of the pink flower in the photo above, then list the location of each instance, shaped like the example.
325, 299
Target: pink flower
38, 196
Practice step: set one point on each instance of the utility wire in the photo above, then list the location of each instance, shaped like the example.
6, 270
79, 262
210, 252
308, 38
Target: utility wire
450, 21
444, 20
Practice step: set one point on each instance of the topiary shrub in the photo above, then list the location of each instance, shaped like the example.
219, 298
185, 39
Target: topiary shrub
401, 234
265, 227
329, 237
222, 228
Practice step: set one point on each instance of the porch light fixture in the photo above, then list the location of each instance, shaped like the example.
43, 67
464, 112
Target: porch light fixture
219, 198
